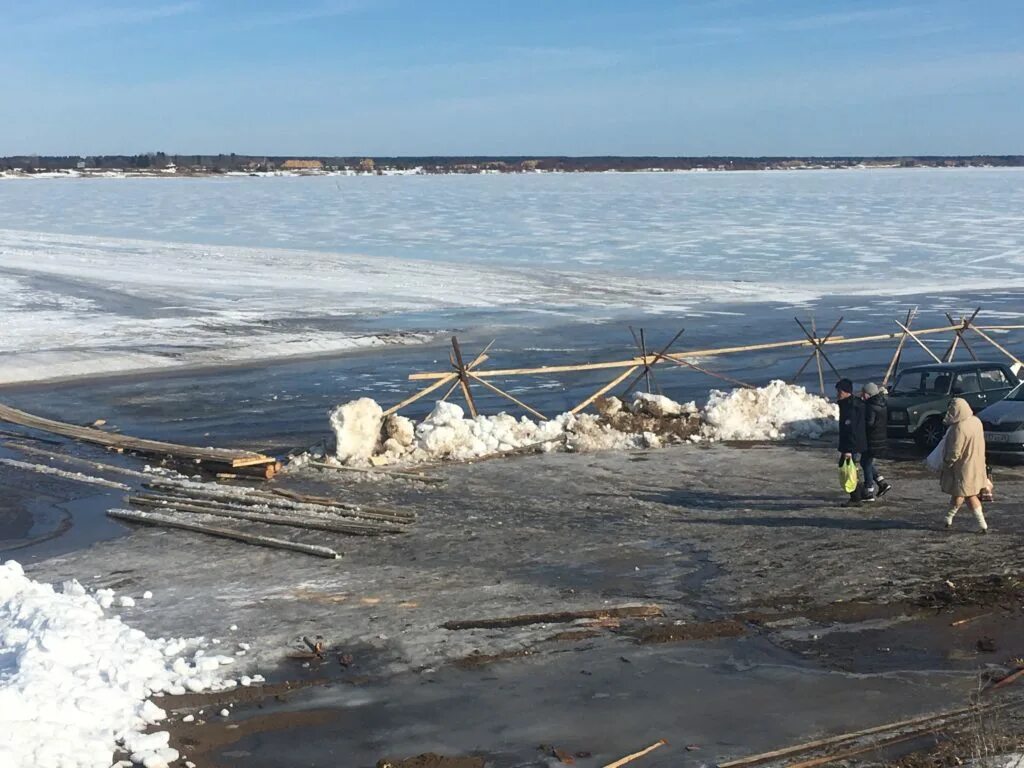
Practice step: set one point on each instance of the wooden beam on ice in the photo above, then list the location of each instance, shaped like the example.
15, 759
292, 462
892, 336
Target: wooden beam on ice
164, 521
155, 448
559, 617
895, 362
607, 387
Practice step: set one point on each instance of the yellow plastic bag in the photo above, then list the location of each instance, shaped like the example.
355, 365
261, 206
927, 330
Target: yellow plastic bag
848, 475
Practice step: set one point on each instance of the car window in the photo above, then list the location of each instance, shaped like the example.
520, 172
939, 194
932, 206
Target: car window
994, 378
966, 383
922, 382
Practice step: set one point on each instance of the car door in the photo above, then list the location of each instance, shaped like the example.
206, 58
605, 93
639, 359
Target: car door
967, 385
995, 384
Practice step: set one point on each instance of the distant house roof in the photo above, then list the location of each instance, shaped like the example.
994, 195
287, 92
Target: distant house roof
308, 165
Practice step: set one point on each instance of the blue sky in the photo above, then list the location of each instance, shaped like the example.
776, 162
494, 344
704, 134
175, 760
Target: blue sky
413, 77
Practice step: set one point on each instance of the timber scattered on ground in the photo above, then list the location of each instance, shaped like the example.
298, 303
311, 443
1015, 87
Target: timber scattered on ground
211, 459
559, 617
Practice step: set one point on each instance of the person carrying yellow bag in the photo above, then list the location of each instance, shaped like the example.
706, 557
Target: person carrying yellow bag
853, 440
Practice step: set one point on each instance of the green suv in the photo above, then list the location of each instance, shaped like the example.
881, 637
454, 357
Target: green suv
920, 396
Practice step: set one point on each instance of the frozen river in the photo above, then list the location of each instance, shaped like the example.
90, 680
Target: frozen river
107, 275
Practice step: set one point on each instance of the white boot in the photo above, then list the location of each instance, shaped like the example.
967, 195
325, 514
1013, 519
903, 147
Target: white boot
979, 515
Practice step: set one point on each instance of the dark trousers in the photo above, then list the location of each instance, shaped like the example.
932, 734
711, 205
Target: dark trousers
871, 474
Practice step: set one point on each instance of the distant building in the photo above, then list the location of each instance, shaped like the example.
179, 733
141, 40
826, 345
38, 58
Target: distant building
302, 165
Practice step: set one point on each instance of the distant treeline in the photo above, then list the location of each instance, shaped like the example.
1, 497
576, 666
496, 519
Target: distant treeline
475, 164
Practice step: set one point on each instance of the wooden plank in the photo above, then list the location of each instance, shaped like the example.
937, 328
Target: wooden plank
137, 445
163, 521
464, 378
637, 755
609, 386
559, 617
295, 521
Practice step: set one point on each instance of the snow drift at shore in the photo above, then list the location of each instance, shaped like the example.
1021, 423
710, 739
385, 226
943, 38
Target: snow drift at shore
75, 683
774, 412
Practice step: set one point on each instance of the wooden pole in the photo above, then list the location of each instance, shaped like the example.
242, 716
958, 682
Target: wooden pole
309, 523
819, 343
506, 395
920, 343
636, 755
996, 344
647, 365
708, 372
463, 378
715, 351
162, 521
559, 617
422, 393
610, 385
657, 356
894, 363
960, 333
817, 357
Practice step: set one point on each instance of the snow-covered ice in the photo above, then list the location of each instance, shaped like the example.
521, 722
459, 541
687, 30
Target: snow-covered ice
114, 275
75, 683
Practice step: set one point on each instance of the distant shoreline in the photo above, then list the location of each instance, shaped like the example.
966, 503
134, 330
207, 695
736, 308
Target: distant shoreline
131, 173
160, 165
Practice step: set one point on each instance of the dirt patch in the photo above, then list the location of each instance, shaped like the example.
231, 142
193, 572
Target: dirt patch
430, 760
846, 612
996, 590
672, 633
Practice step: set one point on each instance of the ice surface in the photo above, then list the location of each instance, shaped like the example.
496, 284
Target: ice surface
75, 683
110, 275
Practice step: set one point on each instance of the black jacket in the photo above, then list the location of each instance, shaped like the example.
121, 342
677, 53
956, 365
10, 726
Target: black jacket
852, 429
876, 422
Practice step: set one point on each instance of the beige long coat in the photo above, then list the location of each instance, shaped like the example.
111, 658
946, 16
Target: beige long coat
963, 461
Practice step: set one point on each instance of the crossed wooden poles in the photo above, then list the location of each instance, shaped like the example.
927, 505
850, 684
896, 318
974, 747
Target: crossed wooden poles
463, 376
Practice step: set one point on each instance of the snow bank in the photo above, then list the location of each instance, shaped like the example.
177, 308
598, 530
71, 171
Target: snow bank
777, 411
75, 684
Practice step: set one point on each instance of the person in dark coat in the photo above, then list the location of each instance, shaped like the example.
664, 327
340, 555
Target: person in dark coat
853, 440
876, 423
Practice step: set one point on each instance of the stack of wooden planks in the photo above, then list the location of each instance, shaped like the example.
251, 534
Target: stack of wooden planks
204, 507
214, 460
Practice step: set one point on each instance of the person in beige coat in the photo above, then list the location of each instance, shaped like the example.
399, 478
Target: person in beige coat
964, 475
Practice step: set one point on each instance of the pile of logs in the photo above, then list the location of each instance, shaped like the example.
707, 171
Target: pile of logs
190, 506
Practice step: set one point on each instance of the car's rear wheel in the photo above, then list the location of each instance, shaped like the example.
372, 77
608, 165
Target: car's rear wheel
930, 433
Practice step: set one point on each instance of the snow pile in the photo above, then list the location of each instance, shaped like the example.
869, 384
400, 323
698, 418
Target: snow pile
777, 411
75, 684
357, 427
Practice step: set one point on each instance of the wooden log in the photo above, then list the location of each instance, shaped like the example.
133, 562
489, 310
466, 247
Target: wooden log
217, 510
636, 361
253, 499
709, 372
894, 363
163, 521
559, 617
920, 343
134, 444
79, 462
996, 344
304, 510
77, 477
609, 386
636, 755
960, 334
506, 395
807, 746
326, 501
378, 472
464, 378
422, 393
